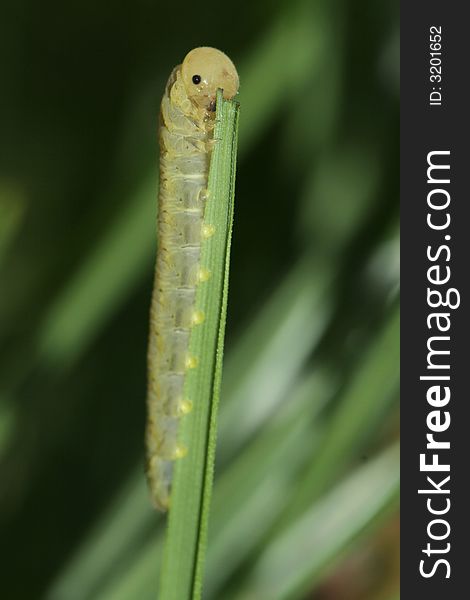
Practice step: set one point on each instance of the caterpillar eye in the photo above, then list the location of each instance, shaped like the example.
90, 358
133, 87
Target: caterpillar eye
196, 79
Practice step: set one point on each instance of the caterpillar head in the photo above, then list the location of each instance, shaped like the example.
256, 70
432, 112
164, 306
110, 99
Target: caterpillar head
204, 71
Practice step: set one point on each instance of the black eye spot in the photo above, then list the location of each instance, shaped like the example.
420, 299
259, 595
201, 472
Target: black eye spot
196, 79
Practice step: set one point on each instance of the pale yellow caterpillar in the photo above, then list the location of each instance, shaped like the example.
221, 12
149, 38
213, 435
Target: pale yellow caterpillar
187, 118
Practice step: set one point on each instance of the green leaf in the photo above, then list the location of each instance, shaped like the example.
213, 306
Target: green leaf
265, 468
297, 557
360, 410
116, 539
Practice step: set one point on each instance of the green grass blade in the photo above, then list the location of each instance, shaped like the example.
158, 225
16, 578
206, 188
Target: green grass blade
117, 265
265, 468
372, 390
115, 540
259, 374
184, 550
295, 559
136, 584
12, 208
360, 407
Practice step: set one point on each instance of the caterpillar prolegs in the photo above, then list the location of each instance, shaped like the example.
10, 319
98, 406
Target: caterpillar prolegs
187, 119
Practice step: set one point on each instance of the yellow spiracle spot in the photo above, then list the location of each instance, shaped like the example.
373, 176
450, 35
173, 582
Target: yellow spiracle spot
204, 274
191, 362
185, 407
203, 195
207, 231
197, 317
180, 451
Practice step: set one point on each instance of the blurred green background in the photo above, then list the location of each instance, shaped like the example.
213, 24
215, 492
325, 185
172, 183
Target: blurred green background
306, 496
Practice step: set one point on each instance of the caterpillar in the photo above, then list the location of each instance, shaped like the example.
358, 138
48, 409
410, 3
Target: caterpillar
187, 119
